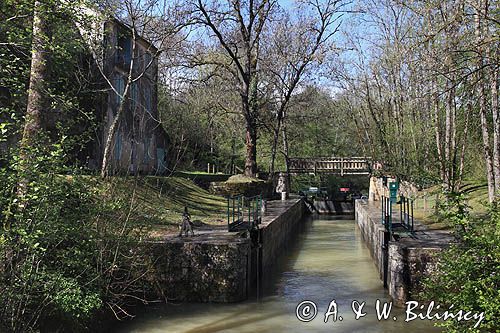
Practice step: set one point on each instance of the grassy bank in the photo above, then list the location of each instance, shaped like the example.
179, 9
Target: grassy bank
425, 208
158, 202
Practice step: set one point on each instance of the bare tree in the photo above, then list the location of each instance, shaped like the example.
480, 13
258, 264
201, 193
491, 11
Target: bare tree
238, 28
298, 46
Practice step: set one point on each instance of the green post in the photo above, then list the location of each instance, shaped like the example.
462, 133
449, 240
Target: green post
393, 191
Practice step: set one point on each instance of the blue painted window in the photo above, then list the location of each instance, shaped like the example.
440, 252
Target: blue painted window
124, 49
120, 88
148, 96
162, 159
118, 146
134, 95
147, 60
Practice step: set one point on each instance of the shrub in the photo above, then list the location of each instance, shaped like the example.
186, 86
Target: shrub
467, 273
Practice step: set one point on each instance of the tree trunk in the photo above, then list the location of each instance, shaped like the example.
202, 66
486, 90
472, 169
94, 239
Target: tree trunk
274, 147
486, 143
447, 141
33, 124
115, 125
286, 152
482, 101
250, 109
496, 124
38, 77
468, 113
251, 156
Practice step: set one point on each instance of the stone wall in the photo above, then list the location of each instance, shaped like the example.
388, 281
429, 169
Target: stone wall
408, 260
377, 188
224, 266
334, 207
276, 232
208, 270
372, 232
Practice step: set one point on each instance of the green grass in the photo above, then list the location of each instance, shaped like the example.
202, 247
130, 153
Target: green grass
425, 202
158, 202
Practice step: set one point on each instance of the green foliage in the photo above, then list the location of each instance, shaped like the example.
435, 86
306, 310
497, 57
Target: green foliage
70, 247
48, 243
467, 274
200, 129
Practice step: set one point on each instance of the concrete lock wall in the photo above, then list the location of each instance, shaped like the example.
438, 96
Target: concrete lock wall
372, 232
224, 267
333, 207
406, 261
276, 233
202, 271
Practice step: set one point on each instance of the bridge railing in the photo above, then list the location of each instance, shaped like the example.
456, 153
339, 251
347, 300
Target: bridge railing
350, 165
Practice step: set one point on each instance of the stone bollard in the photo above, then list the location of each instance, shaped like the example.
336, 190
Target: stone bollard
283, 195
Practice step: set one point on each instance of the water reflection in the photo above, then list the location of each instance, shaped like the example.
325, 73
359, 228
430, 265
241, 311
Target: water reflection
327, 261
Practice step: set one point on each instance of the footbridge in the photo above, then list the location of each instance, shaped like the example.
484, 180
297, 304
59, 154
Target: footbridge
331, 165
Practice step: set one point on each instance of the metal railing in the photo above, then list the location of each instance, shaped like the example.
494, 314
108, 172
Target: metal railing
406, 220
243, 213
387, 213
406, 213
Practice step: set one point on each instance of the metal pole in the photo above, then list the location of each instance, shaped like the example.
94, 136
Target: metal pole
383, 210
412, 216
401, 208
390, 215
408, 213
250, 211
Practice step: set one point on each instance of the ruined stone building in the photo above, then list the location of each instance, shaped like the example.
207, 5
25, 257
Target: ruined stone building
140, 142
103, 63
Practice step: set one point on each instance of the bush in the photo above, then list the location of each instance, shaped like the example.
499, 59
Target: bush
68, 248
467, 273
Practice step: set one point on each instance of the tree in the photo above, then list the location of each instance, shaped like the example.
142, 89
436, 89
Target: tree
238, 28
245, 30
418, 88
38, 74
297, 47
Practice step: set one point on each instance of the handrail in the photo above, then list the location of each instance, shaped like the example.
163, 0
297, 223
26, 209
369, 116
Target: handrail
243, 212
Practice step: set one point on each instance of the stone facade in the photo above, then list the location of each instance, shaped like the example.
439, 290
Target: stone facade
140, 143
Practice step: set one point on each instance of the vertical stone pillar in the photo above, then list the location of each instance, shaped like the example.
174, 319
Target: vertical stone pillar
397, 286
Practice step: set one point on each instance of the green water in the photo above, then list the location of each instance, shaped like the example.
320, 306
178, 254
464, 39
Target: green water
327, 261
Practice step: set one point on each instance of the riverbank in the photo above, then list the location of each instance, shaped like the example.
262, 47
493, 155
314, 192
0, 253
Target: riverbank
158, 202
